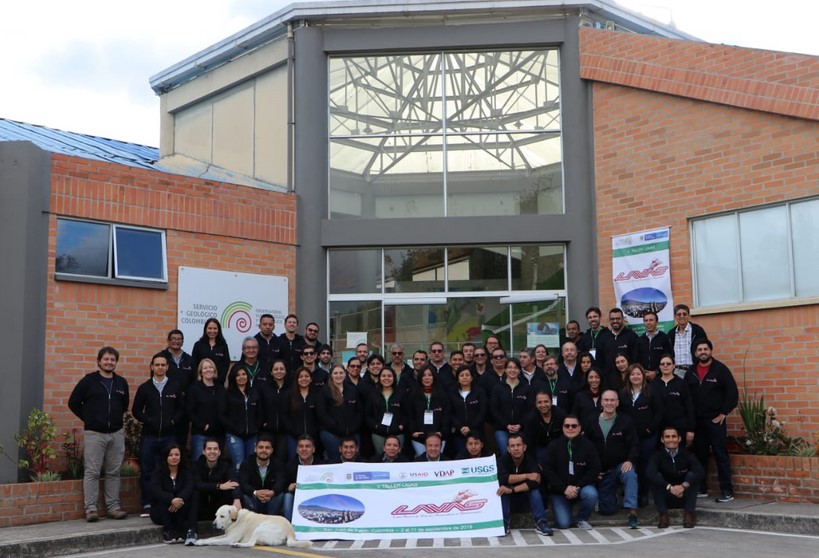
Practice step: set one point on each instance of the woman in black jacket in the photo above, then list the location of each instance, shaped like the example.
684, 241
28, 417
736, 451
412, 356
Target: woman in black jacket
202, 402
171, 491
339, 412
301, 409
469, 406
509, 404
587, 402
386, 413
242, 413
212, 345
430, 411
678, 405
646, 411
275, 395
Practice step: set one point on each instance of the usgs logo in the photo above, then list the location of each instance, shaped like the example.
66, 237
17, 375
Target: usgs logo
480, 469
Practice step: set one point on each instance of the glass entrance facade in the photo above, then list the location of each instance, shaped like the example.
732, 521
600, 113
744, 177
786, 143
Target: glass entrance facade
455, 295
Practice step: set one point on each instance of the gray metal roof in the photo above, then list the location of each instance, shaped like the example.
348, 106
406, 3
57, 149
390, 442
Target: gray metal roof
275, 25
80, 145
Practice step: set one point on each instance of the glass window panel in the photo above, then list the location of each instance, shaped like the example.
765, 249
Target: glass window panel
352, 317
514, 90
139, 253
716, 250
355, 271
538, 323
538, 268
395, 94
386, 177
765, 255
478, 269
805, 234
416, 326
414, 270
82, 248
504, 174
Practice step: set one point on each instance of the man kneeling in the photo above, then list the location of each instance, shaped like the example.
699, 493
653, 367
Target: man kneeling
519, 473
262, 480
675, 475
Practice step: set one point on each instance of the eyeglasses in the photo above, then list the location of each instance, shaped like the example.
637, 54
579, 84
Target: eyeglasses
666, 364
498, 357
250, 348
312, 330
571, 426
681, 314
396, 353
308, 353
476, 355
436, 350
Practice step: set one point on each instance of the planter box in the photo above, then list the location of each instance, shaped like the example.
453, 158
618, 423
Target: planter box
41, 502
778, 477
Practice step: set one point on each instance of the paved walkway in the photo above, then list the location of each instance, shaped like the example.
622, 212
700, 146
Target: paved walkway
70, 537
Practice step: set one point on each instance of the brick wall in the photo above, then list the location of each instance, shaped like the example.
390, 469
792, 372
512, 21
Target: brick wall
209, 224
40, 502
787, 479
662, 159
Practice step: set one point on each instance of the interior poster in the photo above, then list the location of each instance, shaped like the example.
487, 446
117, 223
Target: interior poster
642, 277
237, 300
365, 501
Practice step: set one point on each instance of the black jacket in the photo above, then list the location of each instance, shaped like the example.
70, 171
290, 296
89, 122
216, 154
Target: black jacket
303, 419
646, 411
377, 406
697, 332
678, 406
649, 351
555, 464
507, 467
164, 489
290, 351
538, 433
274, 403
241, 415
662, 470
250, 478
469, 412
159, 414
99, 410
585, 407
510, 405
202, 404
183, 373
438, 403
596, 344
219, 354
269, 351
622, 443
291, 469
205, 479
562, 387
344, 419
716, 394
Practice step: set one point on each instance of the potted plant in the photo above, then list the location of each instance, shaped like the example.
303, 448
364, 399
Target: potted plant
37, 440
133, 434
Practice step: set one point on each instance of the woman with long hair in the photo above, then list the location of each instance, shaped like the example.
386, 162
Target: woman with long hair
469, 406
241, 412
301, 414
585, 361
339, 412
275, 395
385, 414
509, 404
646, 412
212, 345
678, 406
618, 378
541, 352
171, 492
587, 402
202, 401
430, 411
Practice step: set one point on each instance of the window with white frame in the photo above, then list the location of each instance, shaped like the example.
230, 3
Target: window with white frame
759, 254
91, 249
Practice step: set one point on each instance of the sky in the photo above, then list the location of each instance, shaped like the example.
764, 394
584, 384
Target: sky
84, 66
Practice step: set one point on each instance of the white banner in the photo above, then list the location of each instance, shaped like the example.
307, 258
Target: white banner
363, 501
641, 270
237, 300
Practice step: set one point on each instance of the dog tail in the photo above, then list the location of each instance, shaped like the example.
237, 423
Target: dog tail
292, 542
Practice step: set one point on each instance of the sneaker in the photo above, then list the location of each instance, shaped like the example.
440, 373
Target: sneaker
505, 528
91, 516
146, 511
118, 514
584, 525
725, 497
167, 536
702, 494
543, 528
190, 538
632, 521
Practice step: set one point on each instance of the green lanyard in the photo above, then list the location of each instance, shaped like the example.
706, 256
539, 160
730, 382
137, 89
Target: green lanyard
569, 448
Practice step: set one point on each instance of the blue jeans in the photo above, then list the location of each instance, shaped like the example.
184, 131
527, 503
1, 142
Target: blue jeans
501, 440
535, 504
420, 448
271, 507
287, 505
332, 442
607, 488
562, 507
240, 448
150, 450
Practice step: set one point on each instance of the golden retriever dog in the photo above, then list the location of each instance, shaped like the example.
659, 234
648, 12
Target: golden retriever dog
245, 529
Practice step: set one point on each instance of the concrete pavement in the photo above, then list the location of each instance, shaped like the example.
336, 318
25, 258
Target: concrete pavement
71, 537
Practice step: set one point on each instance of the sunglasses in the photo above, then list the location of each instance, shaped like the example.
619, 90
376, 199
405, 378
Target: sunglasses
437, 351
666, 364
570, 426
312, 330
310, 353
476, 355
498, 357
396, 353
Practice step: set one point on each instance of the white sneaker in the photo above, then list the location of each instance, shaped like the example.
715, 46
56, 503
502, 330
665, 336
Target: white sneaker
584, 525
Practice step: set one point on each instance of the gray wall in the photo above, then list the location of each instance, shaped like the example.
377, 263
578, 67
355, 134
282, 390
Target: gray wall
25, 184
576, 227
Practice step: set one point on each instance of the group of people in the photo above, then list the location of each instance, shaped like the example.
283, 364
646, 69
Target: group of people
570, 426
